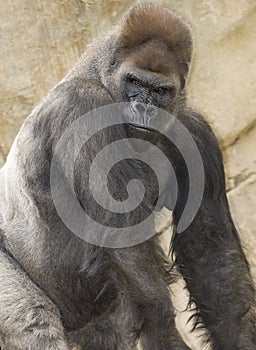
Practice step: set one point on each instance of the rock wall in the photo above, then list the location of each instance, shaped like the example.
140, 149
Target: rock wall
41, 40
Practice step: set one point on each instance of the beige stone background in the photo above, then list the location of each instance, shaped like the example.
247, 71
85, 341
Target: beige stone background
41, 40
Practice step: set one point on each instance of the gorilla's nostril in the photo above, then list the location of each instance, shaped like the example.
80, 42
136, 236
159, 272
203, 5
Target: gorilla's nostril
144, 109
151, 111
139, 107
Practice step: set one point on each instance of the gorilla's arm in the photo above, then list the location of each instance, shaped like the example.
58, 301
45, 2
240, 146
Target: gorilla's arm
210, 257
28, 319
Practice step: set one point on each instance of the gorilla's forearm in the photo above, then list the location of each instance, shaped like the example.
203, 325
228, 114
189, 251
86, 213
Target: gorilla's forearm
210, 257
28, 319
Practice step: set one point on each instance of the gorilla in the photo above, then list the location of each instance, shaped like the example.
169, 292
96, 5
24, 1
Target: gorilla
58, 291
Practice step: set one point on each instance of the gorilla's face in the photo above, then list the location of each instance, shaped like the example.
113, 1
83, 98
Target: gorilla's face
150, 74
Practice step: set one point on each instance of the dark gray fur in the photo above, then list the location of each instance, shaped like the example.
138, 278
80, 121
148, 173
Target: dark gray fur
57, 291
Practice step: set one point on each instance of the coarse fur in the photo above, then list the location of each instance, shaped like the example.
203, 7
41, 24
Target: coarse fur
56, 290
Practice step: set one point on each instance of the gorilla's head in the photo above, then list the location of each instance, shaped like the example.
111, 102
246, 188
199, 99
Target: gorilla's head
144, 58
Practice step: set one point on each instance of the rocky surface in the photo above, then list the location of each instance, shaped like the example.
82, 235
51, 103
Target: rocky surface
41, 40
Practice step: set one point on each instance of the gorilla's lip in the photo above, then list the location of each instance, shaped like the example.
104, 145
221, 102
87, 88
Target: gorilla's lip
142, 128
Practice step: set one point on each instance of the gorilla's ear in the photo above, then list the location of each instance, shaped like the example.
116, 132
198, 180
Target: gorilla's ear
150, 22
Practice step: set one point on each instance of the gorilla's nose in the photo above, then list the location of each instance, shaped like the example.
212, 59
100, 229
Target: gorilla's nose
144, 110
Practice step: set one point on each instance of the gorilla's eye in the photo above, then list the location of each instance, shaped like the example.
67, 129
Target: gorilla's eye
133, 80
161, 90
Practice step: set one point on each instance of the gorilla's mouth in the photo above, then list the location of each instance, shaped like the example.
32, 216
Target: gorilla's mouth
141, 128
143, 133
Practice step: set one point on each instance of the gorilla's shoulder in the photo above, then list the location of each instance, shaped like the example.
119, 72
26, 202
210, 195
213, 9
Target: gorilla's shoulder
78, 89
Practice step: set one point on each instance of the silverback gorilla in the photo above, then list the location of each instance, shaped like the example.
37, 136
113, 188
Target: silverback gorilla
58, 291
